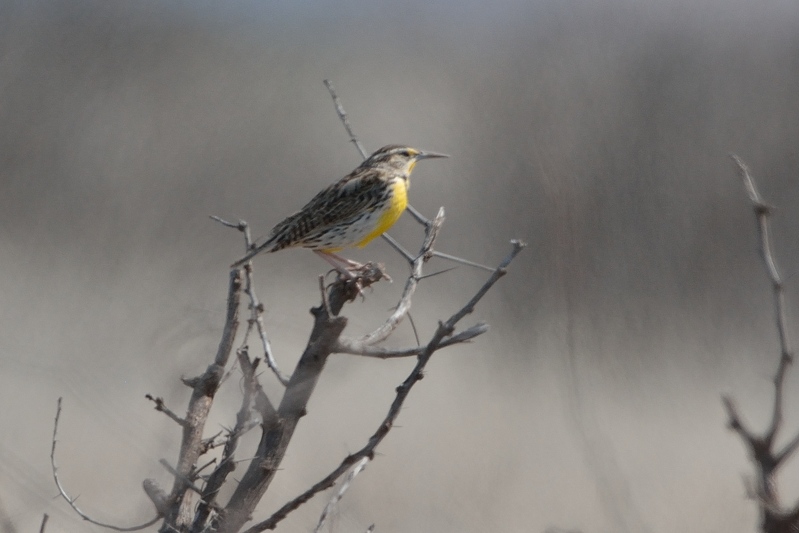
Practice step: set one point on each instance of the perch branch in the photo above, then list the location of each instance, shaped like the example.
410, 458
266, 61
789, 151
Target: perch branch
404, 305
421, 219
444, 330
275, 439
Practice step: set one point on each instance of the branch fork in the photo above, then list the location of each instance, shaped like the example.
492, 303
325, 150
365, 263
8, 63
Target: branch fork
767, 460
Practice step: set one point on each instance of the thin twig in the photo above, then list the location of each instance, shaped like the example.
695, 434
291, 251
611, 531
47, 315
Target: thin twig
404, 305
420, 218
204, 388
227, 463
44, 523
343, 116
462, 261
398, 247
188, 481
437, 273
762, 212
346, 346
331, 505
70, 500
161, 406
413, 326
256, 307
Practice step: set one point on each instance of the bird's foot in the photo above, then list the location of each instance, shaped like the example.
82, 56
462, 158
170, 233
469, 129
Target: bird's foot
356, 279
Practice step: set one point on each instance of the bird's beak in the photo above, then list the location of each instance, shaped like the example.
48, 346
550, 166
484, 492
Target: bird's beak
429, 155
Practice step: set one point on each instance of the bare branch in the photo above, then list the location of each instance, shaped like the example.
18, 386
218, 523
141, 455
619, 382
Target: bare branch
498, 273
227, 463
788, 450
734, 419
241, 225
70, 500
43, 527
257, 310
359, 466
367, 451
462, 261
398, 247
187, 480
420, 218
256, 307
161, 406
343, 116
349, 347
204, 389
404, 305
762, 211
761, 447
275, 440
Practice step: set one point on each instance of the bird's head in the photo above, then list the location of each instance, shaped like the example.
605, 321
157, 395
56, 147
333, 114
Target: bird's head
399, 158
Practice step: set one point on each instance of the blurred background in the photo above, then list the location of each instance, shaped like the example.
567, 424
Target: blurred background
598, 132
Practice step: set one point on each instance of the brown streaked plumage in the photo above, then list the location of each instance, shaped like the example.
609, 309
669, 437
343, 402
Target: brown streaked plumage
351, 212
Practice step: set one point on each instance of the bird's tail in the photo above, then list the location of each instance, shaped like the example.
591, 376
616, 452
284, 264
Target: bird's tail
253, 252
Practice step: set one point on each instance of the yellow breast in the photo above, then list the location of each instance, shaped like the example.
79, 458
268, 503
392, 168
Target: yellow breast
397, 204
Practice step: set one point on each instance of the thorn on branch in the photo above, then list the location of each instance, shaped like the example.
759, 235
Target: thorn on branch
188, 481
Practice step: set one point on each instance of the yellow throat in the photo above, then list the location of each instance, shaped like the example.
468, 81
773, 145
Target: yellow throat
397, 204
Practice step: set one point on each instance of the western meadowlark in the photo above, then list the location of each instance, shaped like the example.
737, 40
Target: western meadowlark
350, 213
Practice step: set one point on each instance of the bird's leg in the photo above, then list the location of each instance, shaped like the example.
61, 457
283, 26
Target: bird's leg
342, 265
351, 265
353, 271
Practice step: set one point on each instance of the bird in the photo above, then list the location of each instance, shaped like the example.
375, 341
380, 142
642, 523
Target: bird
351, 212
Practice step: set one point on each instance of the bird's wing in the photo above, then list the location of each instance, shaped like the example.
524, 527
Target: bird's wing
339, 203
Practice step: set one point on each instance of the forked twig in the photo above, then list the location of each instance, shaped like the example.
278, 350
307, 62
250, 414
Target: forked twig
761, 447
256, 307
70, 500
